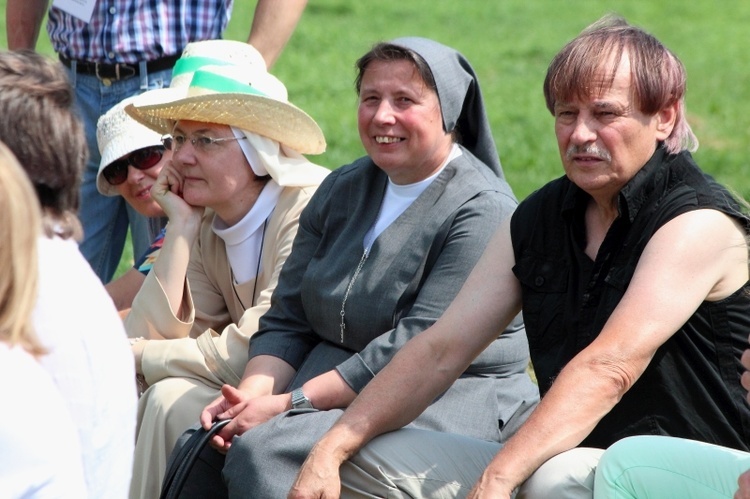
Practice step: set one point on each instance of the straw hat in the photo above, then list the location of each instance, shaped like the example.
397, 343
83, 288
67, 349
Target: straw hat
246, 97
117, 135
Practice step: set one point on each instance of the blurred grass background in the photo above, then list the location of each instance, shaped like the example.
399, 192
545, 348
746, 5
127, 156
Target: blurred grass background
510, 43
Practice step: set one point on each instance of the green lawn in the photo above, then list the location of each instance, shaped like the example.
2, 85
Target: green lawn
510, 43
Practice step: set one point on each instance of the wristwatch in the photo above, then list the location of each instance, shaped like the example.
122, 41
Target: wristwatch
300, 401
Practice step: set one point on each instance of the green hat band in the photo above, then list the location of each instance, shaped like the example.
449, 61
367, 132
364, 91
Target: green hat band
222, 84
192, 64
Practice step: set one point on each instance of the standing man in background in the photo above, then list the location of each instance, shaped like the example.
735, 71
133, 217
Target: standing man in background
118, 48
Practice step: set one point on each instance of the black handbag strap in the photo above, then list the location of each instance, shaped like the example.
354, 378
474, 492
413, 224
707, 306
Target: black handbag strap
184, 459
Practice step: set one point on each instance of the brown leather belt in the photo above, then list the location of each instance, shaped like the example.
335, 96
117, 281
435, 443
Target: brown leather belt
119, 71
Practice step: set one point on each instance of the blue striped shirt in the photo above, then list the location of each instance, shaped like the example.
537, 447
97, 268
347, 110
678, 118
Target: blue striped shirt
130, 31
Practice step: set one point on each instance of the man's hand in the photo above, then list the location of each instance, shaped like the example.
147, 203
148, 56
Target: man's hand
488, 487
745, 379
744, 482
318, 478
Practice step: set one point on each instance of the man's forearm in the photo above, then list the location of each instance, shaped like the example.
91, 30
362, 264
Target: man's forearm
583, 393
23, 20
274, 22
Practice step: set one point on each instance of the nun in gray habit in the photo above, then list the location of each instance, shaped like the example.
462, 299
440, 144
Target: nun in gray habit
383, 247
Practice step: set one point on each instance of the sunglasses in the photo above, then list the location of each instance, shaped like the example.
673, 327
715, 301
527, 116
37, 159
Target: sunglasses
142, 159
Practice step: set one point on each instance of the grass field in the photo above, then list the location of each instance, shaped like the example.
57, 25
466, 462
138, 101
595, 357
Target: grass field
510, 43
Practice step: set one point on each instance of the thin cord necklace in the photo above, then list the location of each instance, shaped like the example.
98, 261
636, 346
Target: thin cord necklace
257, 270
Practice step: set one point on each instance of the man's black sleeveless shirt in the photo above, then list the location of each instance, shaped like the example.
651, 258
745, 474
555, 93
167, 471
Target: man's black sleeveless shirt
691, 388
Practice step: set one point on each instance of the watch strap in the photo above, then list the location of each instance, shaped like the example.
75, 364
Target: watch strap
300, 401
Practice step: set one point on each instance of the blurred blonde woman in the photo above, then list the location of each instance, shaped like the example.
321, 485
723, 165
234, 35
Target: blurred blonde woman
43, 459
88, 356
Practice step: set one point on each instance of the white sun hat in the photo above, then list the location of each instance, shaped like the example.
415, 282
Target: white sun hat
117, 135
245, 97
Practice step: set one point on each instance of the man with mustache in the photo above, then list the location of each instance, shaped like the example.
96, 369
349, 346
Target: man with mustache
632, 274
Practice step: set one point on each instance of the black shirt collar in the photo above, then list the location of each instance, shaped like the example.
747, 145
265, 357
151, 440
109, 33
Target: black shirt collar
631, 197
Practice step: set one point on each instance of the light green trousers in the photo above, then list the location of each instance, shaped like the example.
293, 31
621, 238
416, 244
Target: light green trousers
654, 467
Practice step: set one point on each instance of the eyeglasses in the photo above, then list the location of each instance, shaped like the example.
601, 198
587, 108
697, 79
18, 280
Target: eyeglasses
142, 159
200, 142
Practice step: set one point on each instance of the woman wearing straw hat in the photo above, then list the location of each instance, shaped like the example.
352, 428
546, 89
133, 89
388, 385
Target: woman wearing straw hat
383, 247
132, 154
233, 194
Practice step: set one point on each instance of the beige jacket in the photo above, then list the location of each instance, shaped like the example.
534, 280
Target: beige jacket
214, 303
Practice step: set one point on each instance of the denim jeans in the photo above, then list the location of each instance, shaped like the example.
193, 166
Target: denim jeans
106, 219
